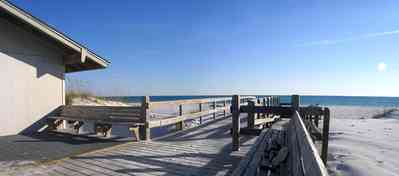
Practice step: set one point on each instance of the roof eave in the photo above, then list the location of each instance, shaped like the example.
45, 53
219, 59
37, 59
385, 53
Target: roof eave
94, 60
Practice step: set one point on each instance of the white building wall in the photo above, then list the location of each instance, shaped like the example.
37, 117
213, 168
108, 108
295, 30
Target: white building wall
31, 79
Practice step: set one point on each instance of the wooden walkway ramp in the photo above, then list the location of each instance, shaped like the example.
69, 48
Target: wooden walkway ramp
203, 150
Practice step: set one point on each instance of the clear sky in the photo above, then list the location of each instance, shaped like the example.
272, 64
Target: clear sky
191, 47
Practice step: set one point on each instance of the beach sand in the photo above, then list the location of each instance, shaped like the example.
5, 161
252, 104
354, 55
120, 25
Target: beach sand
361, 145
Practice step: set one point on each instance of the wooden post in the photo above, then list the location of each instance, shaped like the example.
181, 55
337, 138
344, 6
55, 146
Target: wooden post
214, 109
269, 101
258, 114
145, 110
200, 110
180, 125
264, 104
251, 115
225, 106
295, 102
272, 101
278, 101
235, 110
326, 129
316, 120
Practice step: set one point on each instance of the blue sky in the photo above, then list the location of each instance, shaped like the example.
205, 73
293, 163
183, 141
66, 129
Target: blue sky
188, 47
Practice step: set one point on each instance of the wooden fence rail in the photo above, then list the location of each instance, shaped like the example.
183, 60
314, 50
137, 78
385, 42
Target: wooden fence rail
139, 119
302, 132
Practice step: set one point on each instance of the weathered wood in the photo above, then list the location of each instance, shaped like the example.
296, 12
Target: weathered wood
311, 110
214, 107
295, 102
263, 109
145, 130
104, 129
303, 158
266, 120
180, 124
251, 115
326, 129
200, 110
225, 108
316, 120
100, 114
194, 101
235, 109
250, 131
285, 104
249, 164
135, 132
176, 119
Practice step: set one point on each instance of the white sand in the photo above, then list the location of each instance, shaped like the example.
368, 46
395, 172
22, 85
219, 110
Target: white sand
361, 145
92, 101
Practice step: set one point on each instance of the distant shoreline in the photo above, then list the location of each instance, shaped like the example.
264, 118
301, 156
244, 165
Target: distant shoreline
305, 100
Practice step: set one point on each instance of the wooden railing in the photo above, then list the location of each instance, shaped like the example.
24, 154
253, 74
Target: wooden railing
140, 119
302, 132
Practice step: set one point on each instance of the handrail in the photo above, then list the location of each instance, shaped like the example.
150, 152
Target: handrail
194, 101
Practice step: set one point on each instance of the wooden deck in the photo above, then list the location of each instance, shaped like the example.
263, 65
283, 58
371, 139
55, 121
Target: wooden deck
203, 150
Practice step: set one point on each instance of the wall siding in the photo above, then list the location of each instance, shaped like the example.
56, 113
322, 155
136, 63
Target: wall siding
32, 79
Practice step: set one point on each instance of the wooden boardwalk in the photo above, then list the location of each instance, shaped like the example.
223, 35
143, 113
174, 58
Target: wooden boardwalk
203, 150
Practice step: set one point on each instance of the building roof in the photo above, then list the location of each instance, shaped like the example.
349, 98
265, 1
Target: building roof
76, 58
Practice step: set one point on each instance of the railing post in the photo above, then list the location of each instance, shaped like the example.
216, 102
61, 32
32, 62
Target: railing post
264, 104
200, 110
251, 115
145, 109
235, 110
225, 106
269, 101
295, 102
258, 114
278, 101
214, 109
180, 125
316, 120
326, 129
273, 101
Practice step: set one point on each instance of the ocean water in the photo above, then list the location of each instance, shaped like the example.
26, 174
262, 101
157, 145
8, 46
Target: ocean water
305, 100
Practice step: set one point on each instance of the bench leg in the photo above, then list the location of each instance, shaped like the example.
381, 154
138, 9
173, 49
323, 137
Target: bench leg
144, 132
135, 132
180, 125
108, 131
77, 126
104, 129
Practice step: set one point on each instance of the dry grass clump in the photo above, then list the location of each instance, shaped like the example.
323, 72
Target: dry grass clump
73, 94
78, 89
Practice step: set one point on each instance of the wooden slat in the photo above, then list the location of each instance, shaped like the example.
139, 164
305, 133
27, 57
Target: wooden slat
266, 120
105, 114
173, 120
312, 110
190, 101
252, 158
194, 101
265, 109
304, 158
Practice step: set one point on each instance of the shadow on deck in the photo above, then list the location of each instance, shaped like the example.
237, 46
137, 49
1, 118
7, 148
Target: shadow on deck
50, 146
202, 150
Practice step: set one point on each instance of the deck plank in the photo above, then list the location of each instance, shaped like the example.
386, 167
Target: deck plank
204, 150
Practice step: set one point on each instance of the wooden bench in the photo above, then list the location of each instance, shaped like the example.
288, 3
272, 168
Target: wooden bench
103, 118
